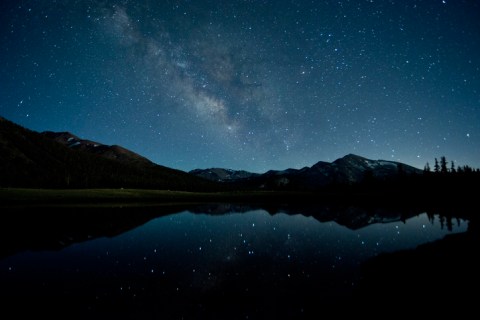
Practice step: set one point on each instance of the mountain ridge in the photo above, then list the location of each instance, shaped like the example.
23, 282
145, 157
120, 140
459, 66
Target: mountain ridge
114, 152
348, 170
222, 174
35, 160
62, 159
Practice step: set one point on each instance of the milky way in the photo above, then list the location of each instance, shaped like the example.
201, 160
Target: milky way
249, 85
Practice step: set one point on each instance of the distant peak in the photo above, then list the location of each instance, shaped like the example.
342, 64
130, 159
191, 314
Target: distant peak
352, 156
222, 174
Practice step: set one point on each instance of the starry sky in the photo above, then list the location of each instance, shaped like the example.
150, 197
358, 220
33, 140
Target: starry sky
251, 85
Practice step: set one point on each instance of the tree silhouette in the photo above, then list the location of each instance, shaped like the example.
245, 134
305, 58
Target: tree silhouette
436, 167
443, 164
452, 167
426, 169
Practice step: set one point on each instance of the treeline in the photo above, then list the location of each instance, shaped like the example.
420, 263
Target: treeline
444, 167
446, 182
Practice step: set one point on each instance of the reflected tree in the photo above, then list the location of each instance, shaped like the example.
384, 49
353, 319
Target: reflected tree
441, 218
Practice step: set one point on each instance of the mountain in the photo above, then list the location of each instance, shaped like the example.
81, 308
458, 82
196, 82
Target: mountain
349, 170
63, 160
111, 152
49, 160
354, 169
223, 175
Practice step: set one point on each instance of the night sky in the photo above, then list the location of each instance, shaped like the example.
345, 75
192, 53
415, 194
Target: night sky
252, 85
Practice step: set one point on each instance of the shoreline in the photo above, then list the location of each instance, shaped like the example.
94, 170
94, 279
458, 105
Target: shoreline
23, 197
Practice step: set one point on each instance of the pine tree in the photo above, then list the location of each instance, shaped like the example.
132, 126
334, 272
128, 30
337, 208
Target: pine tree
436, 167
443, 164
452, 167
426, 168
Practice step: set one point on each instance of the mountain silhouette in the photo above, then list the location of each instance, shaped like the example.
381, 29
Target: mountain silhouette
223, 175
62, 160
349, 170
113, 152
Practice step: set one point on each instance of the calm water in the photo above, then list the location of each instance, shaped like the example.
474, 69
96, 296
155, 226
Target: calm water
196, 265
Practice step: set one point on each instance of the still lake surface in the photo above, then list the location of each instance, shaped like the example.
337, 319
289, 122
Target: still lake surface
201, 265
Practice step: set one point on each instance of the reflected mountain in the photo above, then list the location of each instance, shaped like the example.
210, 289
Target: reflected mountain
352, 217
54, 228
26, 229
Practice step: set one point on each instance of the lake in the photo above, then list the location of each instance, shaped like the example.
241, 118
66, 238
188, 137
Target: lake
203, 262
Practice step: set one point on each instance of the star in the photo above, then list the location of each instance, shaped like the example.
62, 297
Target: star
185, 86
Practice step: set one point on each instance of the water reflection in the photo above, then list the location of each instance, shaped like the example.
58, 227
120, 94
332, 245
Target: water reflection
152, 262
